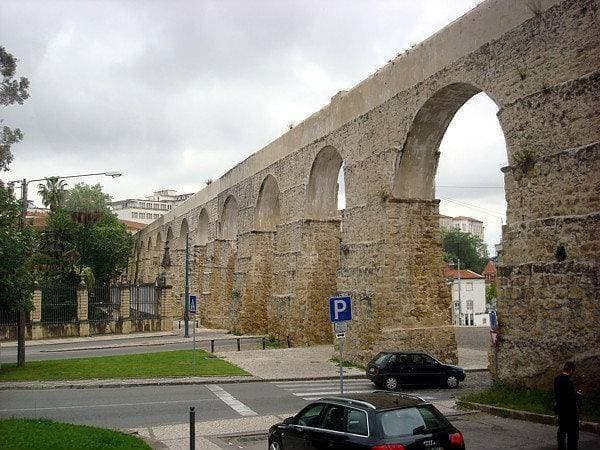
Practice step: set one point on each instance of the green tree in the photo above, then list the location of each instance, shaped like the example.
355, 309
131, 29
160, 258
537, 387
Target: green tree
16, 276
471, 250
11, 91
105, 247
86, 198
491, 293
53, 193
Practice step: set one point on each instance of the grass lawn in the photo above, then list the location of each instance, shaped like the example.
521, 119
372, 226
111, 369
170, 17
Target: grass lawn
47, 434
177, 363
532, 400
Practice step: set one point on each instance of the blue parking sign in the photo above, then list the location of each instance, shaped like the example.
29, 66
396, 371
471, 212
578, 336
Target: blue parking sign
340, 309
193, 304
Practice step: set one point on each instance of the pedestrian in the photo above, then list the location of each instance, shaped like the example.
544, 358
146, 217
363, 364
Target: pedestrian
565, 406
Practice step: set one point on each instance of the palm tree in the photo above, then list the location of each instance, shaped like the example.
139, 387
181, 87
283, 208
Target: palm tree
53, 193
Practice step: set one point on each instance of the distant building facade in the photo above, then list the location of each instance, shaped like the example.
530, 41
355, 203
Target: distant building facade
468, 297
150, 208
464, 224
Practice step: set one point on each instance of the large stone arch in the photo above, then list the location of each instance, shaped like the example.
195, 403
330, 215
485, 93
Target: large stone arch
267, 211
416, 163
322, 189
229, 219
202, 229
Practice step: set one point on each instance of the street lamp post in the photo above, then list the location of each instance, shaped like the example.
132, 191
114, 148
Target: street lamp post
23, 223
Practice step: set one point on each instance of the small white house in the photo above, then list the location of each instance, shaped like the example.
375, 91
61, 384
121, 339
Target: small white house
468, 297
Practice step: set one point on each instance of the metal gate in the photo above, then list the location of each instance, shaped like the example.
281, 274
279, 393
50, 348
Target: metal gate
144, 302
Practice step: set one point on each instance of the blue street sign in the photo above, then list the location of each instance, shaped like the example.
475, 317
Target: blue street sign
193, 304
340, 309
493, 320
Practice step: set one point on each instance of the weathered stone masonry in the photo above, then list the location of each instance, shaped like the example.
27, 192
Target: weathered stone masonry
268, 245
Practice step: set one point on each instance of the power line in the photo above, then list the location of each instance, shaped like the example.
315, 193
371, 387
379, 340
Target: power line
470, 205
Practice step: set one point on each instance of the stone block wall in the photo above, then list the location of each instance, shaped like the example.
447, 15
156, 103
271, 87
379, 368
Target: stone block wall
542, 70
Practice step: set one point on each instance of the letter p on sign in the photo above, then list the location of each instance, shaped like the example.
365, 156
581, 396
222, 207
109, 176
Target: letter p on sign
340, 309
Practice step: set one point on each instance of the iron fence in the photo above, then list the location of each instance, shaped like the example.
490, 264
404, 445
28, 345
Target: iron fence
104, 303
144, 302
8, 317
59, 304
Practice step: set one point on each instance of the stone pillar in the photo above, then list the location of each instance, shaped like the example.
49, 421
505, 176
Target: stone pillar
219, 302
257, 284
82, 310
125, 311
165, 295
36, 315
314, 259
400, 299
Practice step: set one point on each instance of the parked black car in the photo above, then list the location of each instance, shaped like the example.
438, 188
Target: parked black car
390, 370
374, 421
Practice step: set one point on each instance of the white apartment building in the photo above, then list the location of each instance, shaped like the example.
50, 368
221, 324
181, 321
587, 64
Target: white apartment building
468, 297
464, 224
148, 209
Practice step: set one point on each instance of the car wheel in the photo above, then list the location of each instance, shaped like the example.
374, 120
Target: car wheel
391, 383
451, 382
275, 445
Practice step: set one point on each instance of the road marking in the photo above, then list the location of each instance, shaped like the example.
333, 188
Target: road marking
230, 400
314, 390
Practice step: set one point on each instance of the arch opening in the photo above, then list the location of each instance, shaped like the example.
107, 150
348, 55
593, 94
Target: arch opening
202, 231
322, 191
267, 213
229, 219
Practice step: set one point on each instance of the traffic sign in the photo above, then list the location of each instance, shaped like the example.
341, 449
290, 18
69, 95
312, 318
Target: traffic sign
340, 309
193, 304
340, 327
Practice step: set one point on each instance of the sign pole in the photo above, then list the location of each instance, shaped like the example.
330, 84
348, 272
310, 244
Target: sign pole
194, 348
342, 366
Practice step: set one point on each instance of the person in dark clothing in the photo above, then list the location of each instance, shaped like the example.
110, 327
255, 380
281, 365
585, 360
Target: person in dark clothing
565, 406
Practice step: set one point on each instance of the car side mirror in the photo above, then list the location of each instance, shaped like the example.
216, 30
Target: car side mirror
289, 421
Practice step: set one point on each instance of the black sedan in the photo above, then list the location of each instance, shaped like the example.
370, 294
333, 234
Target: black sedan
375, 421
390, 370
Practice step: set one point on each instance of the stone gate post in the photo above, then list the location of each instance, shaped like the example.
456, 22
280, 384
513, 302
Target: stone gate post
36, 315
125, 310
82, 310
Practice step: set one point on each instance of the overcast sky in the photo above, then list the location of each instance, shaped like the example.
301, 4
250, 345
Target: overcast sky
174, 92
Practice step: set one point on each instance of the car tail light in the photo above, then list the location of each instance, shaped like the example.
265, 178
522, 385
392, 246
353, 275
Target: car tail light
389, 447
456, 440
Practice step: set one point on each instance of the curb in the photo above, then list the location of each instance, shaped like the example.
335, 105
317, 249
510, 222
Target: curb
591, 427
24, 385
117, 383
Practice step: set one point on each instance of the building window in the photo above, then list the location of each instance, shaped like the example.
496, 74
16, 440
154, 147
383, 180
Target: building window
470, 305
134, 215
142, 215
469, 287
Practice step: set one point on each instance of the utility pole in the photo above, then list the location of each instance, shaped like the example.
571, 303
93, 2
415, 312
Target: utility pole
21, 320
186, 314
459, 300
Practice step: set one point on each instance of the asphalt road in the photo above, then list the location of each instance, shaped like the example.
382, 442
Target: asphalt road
130, 407
119, 347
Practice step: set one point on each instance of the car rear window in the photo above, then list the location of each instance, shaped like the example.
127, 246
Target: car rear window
380, 359
399, 422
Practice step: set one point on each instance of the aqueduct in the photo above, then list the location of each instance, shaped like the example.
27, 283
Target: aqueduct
269, 246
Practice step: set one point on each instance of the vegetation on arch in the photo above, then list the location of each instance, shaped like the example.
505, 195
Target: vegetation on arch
470, 248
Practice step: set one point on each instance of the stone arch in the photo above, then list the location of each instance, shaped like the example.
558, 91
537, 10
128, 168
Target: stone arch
183, 229
158, 241
149, 246
229, 219
416, 163
322, 191
202, 230
267, 213
169, 237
